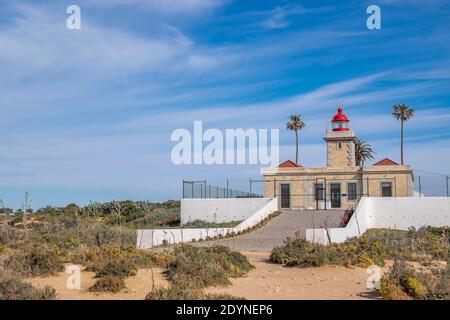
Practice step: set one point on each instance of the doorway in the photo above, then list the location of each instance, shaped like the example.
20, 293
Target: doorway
285, 195
335, 189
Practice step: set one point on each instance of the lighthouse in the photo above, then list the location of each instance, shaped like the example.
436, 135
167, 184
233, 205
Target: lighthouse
340, 142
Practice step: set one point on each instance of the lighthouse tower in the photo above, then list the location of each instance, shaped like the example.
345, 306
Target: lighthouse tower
340, 142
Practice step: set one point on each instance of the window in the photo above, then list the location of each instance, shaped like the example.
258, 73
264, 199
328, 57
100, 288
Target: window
339, 145
386, 189
351, 191
319, 191
336, 125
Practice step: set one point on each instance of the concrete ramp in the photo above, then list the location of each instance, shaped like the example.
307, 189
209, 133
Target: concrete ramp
290, 223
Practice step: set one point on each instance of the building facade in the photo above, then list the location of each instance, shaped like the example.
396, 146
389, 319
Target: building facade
342, 183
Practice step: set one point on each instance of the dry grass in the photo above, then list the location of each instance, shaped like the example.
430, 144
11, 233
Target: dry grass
405, 281
15, 288
195, 268
374, 247
108, 283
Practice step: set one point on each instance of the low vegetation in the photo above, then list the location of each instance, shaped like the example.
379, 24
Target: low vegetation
415, 252
15, 288
108, 283
374, 247
206, 224
406, 282
101, 237
195, 268
33, 261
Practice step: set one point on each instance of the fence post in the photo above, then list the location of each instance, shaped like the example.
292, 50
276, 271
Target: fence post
227, 188
446, 178
183, 190
367, 189
420, 188
275, 188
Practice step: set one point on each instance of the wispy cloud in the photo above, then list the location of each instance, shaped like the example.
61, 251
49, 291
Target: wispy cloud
165, 6
90, 112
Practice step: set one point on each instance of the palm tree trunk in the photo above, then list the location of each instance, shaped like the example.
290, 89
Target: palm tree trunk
296, 147
401, 144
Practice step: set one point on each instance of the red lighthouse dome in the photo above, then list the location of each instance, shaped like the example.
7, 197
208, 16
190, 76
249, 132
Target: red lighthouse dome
340, 121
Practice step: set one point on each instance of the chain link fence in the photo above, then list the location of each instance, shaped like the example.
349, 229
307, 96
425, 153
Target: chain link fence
311, 193
222, 189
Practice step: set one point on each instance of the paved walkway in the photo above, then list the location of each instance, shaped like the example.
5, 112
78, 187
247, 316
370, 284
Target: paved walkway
277, 230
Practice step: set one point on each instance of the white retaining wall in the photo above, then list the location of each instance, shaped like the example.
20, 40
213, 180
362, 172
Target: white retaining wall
220, 210
388, 213
154, 237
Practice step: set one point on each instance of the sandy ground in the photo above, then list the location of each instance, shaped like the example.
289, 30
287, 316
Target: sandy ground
137, 286
266, 282
272, 282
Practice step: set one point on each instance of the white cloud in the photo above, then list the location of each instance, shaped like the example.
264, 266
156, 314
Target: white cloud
165, 6
278, 20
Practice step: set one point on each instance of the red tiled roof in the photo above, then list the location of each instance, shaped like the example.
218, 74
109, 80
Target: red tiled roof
289, 164
386, 162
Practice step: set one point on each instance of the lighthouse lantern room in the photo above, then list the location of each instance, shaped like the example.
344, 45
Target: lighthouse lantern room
340, 121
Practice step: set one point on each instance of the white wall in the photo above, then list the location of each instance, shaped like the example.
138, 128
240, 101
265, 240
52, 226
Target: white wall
154, 237
388, 213
220, 210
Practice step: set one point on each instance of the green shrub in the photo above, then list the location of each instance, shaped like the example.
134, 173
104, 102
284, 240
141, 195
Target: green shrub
116, 268
389, 290
299, 252
108, 284
174, 293
16, 220
403, 282
14, 288
196, 267
9, 234
145, 259
415, 288
374, 247
36, 261
206, 224
177, 293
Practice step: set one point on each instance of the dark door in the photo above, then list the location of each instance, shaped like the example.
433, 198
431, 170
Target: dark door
320, 195
285, 195
335, 195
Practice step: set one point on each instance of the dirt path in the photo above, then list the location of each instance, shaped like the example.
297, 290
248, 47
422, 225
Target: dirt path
137, 286
266, 281
272, 281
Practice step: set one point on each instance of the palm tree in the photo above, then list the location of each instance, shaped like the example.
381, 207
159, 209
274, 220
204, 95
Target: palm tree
295, 124
403, 113
363, 152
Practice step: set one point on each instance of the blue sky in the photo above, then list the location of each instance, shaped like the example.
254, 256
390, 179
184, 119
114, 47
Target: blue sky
87, 114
